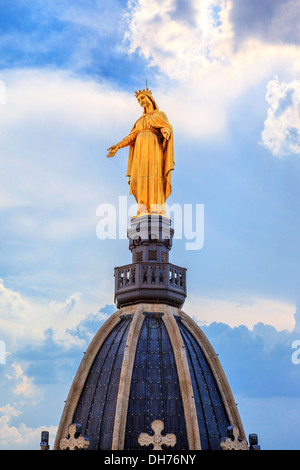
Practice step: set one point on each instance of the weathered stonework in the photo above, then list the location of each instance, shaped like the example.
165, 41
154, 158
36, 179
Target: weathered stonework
157, 440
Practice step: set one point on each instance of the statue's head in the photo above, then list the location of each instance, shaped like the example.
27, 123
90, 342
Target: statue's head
144, 96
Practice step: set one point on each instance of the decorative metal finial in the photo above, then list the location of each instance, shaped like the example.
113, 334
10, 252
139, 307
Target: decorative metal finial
157, 439
75, 441
232, 442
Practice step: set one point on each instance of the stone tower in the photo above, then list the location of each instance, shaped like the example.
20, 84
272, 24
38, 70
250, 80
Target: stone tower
150, 379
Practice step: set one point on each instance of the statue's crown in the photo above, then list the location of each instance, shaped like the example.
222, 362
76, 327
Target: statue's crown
143, 92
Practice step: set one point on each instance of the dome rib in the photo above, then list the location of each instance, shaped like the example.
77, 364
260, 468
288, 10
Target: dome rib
213, 422
125, 380
184, 379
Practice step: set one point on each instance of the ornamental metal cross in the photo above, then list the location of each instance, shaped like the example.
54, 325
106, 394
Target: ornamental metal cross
74, 441
157, 439
233, 442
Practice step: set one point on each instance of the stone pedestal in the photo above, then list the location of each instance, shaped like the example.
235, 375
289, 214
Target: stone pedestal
150, 277
150, 238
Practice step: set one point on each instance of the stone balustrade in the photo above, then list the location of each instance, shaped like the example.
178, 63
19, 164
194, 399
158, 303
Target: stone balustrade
150, 282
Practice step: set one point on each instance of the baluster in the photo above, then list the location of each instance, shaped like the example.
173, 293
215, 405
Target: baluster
127, 277
181, 280
153, 269
145, 274
121, 281
176, 278
171, 276
132, 276
161, 275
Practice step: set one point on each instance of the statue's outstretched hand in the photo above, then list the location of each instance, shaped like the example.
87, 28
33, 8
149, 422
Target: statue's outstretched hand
112, 151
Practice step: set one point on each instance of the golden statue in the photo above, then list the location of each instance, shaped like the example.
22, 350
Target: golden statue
151, 157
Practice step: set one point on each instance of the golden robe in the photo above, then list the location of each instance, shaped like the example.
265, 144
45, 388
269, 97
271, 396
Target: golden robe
150, 161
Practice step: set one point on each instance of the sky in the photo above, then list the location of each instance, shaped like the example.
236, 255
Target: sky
226, 73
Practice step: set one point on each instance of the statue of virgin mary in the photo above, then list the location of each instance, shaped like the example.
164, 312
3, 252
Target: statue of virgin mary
151, 157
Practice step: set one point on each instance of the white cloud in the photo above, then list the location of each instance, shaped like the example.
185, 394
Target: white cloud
24, 322
52, 124
19, 436
64, 100
179, 47
244, 311
11, 304
24, 385
182, 46
198, 52
7, 433
281, 134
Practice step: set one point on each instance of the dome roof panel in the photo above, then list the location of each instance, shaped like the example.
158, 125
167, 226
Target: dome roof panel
211, 413
95, 411
155, 391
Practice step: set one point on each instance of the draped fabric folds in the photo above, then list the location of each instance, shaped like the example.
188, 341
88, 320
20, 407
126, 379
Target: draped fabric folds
150, 161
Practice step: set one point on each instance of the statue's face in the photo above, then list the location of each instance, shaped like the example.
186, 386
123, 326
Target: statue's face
144, 100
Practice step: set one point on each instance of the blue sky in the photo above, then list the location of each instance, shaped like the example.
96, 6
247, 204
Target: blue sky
227, 75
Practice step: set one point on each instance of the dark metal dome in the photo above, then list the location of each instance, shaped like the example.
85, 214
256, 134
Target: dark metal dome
149, 365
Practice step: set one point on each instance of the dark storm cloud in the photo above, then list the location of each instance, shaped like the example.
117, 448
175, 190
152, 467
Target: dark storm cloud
269, 20
258, 362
